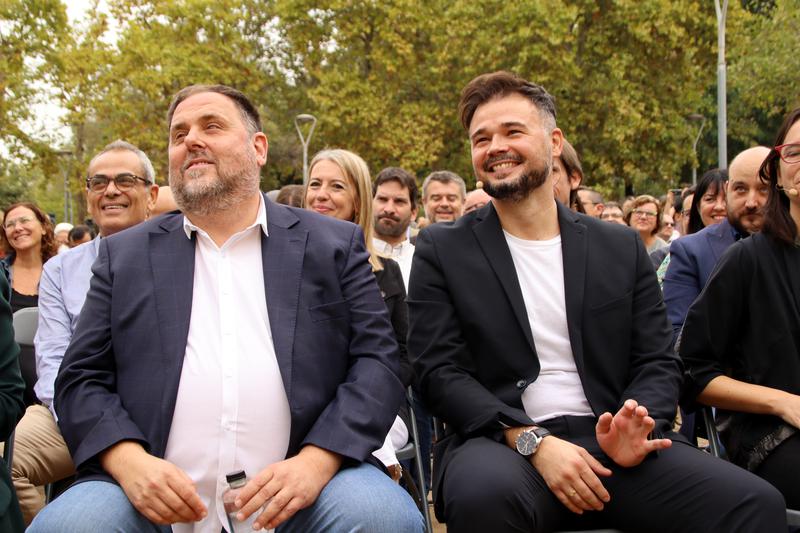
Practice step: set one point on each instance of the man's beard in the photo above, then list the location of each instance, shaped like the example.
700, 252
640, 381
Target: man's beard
393, 230
232, 186
737, 224
516, 190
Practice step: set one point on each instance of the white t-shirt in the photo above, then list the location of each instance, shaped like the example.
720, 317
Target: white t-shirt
558, 390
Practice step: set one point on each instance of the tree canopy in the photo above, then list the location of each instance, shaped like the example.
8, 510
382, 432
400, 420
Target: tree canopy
384, 78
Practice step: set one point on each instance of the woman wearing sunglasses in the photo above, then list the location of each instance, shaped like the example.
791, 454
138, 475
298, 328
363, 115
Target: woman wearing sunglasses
741, 339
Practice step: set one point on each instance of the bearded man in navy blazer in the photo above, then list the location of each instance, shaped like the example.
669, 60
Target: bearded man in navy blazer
540, 338
238, 335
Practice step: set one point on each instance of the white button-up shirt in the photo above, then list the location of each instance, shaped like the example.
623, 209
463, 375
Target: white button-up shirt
402, 253
231, 412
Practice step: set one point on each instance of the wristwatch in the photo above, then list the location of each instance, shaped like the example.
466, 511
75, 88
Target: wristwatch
528, 441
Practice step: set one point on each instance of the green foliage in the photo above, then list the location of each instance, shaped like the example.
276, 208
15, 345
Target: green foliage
384, 78
31, 33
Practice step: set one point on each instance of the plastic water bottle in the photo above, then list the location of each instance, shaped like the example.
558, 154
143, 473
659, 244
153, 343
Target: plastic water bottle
236, 480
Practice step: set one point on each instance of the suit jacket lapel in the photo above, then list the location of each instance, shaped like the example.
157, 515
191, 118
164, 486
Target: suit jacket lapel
172, 261
573, 251
490, 237
282, 253
720, 239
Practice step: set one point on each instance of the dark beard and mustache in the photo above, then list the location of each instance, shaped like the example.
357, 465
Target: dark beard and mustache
233, 185
393, 230
516, 190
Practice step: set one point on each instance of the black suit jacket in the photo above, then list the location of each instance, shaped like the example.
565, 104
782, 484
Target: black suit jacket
470, 339
333, 341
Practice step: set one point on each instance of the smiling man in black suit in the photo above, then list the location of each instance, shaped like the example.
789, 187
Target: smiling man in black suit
540, 338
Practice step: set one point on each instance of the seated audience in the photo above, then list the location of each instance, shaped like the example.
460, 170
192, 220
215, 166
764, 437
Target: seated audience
29, 242
339, 186
116, 200
741, 341
644, 217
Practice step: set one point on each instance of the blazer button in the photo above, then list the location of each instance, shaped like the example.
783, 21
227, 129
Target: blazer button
521, 384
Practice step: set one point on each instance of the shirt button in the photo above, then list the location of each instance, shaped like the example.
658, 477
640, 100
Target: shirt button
521, 384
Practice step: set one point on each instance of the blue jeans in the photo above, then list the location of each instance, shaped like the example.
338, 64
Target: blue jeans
358, 499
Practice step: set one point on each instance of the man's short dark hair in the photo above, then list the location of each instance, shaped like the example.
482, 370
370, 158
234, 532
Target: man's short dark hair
79, 232
404, 178
250, 115
444, 176
594, 196
497, 84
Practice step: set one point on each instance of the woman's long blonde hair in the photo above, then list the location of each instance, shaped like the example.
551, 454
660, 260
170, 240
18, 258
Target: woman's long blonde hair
356, 172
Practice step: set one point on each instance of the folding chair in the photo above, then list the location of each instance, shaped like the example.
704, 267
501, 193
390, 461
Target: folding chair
25, 323
411, 451
715, 447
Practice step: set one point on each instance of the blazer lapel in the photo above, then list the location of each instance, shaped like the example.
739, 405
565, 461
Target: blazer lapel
573, 252
172, 261
720, 239
490, 237
282, 253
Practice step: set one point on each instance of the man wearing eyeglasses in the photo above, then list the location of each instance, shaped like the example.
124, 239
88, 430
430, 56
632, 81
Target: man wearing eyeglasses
121, 192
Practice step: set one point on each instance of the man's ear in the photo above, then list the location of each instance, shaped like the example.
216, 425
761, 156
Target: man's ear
557, 138
261, 145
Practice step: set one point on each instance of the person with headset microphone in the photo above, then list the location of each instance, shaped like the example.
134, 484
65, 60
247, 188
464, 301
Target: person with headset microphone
741, 338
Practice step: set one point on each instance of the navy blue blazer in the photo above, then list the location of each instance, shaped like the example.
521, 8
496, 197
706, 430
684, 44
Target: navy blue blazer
692, 259
334, 344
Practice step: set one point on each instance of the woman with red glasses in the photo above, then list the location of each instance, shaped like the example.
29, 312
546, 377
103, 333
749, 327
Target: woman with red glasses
741, 339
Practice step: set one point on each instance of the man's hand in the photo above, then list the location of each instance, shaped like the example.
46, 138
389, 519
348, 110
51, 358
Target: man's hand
287, 486
571, 474
158, 489
624, 436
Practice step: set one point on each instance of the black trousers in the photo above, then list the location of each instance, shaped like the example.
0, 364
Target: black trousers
782, 469
488, 487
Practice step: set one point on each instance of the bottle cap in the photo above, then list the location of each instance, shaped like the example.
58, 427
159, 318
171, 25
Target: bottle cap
235, 476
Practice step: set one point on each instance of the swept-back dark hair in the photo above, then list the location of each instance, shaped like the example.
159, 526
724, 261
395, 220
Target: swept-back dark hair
401, 176
501, 83
249, 113
713, 179
778, 223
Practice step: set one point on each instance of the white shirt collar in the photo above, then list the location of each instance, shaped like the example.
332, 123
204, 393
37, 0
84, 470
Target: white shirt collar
261, 220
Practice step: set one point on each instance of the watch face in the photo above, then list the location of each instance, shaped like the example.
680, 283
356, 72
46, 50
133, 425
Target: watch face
527, 442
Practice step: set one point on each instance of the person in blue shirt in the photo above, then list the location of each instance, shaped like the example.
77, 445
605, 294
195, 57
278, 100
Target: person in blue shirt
121, 193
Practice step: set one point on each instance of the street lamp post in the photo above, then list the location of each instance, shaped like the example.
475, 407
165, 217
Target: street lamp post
305, 119
722, 112
696, 117
67, 195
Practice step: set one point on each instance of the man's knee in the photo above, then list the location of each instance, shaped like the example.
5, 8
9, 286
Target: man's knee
484, 474
359, 499
92, 506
